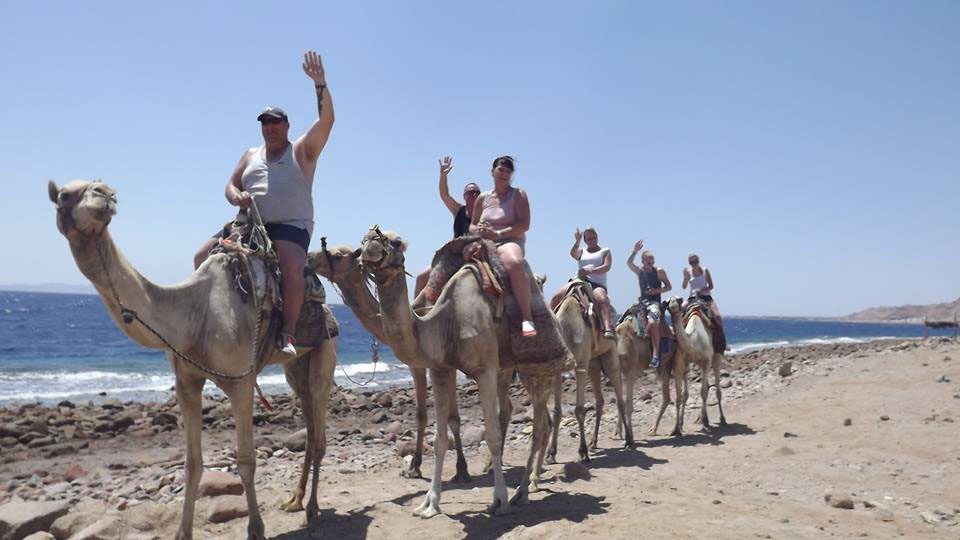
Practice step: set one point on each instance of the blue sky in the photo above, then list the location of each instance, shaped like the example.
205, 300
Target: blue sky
807, 151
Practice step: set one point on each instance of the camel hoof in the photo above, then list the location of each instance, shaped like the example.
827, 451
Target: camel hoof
295, 504
499, 508
653, 431
630, 443
426, 510
551, 459
676, 433
584, 458
411, 473
520, 498
462, 477
592, 445
723, 421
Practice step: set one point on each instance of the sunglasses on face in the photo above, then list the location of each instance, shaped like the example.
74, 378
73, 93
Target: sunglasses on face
694, 262
476, 192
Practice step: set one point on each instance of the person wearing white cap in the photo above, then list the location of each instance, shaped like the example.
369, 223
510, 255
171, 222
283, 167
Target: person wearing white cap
280, 174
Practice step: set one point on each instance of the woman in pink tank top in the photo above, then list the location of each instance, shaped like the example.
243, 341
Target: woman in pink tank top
503, 215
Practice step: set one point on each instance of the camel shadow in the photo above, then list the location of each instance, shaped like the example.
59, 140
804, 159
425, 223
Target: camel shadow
713, 437
556, 506
613, 458
511, 475
353, 524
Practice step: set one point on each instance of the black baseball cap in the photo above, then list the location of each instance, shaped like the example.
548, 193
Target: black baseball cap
272, 112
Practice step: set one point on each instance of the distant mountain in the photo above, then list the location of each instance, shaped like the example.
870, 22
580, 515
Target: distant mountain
931, 312
63, 288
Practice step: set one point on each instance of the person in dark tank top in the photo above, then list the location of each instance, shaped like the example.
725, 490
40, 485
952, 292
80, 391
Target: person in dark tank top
653, 283
461, 212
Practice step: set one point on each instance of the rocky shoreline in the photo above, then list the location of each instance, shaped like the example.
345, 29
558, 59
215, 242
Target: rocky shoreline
115, 456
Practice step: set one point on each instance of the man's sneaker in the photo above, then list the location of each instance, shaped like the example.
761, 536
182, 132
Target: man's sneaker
529, 330
287, 344
655, 362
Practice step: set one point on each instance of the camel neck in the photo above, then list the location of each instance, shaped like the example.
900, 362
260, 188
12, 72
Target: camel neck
399, 321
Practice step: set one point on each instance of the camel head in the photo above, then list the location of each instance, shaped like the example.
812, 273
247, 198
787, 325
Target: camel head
541, 280
334, 262
382, 250
84, 208
674, 306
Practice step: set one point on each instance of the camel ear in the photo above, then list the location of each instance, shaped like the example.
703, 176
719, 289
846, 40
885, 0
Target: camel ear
357, 252
399, 245
52, 191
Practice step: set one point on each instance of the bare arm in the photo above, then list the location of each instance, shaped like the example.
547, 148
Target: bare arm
446, 165
234, 191
316, 137
607, 264
475, 218
709, 280
667, 287
575, 251
636, 249
686, 278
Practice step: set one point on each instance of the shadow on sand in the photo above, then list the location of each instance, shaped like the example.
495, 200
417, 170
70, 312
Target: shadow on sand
713, 437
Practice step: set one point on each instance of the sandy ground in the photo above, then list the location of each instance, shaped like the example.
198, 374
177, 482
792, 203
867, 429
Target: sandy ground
878, 422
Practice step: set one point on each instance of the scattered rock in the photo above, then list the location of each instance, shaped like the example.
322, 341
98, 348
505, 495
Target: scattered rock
839, 500
884, 418
216, 483
70, 524
472, 436
943, 379
20, 519
787, 435
228, 507
395, 428
848, 421
296, 442
726, 383
379, 418
106, 528
406, 448
786, 369
150, 516
73, 472
41, 536
574, 471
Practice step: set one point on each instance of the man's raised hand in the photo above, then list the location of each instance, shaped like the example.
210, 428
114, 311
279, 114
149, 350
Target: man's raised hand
313, 67
446, 165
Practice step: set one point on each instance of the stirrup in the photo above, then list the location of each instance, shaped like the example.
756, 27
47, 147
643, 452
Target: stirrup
655, 362
528, 329
287, 344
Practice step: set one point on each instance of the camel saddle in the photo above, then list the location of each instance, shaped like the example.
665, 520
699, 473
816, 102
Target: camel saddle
582, 292
243, 240
639, 313
546, 350
701, 308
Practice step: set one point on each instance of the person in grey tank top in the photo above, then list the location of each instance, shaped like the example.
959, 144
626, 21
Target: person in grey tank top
280, 175
700, 282
653, 283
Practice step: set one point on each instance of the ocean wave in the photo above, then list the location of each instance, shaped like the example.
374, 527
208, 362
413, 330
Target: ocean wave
78, 376
736, 348
756, 346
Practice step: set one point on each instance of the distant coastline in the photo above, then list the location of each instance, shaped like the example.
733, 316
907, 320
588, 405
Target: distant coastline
54, 288
908, 314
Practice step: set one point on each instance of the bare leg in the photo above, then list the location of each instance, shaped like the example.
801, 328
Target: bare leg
241, 401
420, 387
557, 415
421, 282
189, 390
653, 330
511, 255
441, 379
600, 295
291, 258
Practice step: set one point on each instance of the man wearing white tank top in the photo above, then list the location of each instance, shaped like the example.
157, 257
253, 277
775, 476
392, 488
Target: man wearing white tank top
280, 175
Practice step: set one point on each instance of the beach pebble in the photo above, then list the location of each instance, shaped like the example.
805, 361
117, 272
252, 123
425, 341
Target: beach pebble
379, 417
395, 427
215, 483
848, 421
943, 379
786, 369
839, 500
73, 472
70, 524
884, 418
20, 519
227, 507
150, 516
406, 448
472, 436
297, 441
41, 536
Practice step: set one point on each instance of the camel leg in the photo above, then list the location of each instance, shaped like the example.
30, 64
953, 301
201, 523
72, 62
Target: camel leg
241, 401
538, 388
420, 387
504, 379
628, 379
680, 385
610, 363
189, 389
441, 379
704, 393
664, 401
296, 373
492, 392
581, 413
462, 476
551, 456
323, 361
597, 384
717, 359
